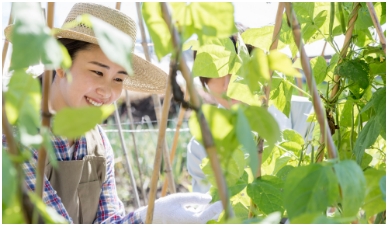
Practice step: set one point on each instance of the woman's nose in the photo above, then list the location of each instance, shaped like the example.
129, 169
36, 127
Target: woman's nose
104, 91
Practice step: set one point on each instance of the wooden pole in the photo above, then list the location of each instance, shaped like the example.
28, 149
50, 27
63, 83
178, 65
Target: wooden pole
6, 43
208, 141
376, 22
157, 105
321, 116
131, 123
128, 163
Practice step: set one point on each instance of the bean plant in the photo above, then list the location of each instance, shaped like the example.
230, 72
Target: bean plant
298, 178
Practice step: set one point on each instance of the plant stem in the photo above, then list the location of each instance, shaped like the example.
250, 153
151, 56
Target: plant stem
377, 25
352, 129
311, 83
6, 43
331, 22
339, 128
299, 89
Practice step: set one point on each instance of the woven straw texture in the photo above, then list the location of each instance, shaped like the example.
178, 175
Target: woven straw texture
147, 77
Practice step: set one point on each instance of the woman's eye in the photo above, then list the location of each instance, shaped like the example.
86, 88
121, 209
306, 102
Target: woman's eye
118, 79
99, 73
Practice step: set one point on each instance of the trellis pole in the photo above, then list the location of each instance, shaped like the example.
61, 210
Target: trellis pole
157, 105
375, 20
6, 43
295, 26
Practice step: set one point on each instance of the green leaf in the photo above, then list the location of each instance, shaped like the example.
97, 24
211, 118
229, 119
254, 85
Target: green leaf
353, 185
374, 202
157, 28
346, 119
245, 137
291, 146
13, 214
366, 138
280, 62
364, 20
283, 172
318, 65
262, 122
266, 193
116, 44
383, 184
9, 179
310, 189
260, 37
280, 163
362, 37
75, 122
378, 68
47, 143
292, 135
215, 59
281, 93
49, 214
23, 95
31, 38
376, 101
239, 90
356, 74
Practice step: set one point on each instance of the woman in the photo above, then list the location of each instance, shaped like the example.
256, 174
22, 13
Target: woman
82, 189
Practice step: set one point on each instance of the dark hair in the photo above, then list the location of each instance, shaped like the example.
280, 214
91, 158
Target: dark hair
73, 47
241, 28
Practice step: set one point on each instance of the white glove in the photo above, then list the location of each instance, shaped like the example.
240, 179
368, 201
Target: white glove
183, 208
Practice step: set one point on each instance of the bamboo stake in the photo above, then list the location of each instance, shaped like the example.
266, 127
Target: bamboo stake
6, 43
46, 115
160, 146
182, 112
348, 38
131, 123
377, 24
210, 148
332, 152
157, 105
267, 88
129, 167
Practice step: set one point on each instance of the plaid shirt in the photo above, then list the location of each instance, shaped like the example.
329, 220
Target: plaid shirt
110, 208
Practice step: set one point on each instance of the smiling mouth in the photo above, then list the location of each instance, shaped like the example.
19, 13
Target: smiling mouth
94, 103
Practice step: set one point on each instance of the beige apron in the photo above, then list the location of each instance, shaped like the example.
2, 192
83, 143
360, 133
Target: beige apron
78, 182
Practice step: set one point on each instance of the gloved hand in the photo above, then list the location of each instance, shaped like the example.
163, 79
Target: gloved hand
183, 208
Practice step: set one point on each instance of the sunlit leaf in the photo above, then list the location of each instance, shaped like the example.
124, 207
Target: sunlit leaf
261, 37
266, 193
283, 172
12, 214
47, 143
31, 38
383, 186
280, 163
239, 90
23, 95
8, 179
282, 63
318, 65
374, 202
281, 93
310, 189
353, 185
366, 138
73, 123
356, 73
215, 59
292, 135
346, 119
256, 70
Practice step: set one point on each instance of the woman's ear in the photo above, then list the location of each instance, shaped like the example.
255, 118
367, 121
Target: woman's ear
60, 73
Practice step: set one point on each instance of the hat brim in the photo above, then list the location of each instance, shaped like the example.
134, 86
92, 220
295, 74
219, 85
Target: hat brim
147, 77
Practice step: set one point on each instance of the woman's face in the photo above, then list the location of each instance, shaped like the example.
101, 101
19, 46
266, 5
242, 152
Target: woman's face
94, 81
218, 88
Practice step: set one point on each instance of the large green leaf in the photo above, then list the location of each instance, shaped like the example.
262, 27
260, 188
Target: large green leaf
23, 95
292, 135
239, 90
245, 137
261, 37
281, 93
281, 62
353, 185
280, 163
31, 38
266, 193
215, 59
256, 70
74, 122
378, 68
318, 64
346, 119
374, 202
157, 28
383, 187
8, 180
366, 138
283, 172
262, 122
310, 189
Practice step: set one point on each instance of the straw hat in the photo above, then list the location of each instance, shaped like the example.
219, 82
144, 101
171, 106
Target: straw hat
147, 77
